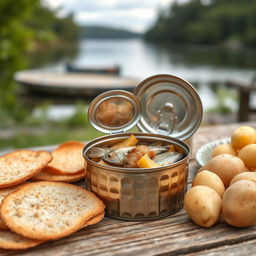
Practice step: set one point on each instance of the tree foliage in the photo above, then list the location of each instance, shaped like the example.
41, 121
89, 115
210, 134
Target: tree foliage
207, 22
25, 24
14, 38
102, 32
48, 27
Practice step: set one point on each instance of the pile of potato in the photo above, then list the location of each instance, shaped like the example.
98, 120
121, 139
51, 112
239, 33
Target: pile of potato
226, 185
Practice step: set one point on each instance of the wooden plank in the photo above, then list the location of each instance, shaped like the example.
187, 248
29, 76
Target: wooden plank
245, 248
74, 80
245, 85
72, 84
244, 108
175, 234
244, 89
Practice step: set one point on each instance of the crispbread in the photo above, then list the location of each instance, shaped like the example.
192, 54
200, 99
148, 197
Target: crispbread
67, 159
3, 193
95, 219
21, 165
12, 241
49, 210
45, 176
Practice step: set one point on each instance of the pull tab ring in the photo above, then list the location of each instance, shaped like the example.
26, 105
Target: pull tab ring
166, 119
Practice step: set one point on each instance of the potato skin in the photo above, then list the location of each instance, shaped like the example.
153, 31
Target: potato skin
244, 176
226, 166
239, 204
224, 149
209, 179
203, 205
243, 136
248, 155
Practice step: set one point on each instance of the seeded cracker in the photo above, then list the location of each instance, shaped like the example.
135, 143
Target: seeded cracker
45, 176
49, 210
21, 165
13, 241
3, 193
67, 159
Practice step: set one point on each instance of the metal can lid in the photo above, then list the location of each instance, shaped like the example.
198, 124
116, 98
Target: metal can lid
170, 106
114, 111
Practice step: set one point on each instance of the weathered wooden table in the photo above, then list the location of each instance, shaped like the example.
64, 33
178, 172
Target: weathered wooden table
173, 235
245, 89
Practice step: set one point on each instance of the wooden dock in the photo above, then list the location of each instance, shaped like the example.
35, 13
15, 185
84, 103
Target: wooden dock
73, 84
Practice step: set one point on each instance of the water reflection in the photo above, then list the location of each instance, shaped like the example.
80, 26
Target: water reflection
207, 68
142, 59
51, 57
214, 56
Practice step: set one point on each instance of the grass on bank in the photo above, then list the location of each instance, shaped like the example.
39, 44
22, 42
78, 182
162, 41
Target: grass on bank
55, 135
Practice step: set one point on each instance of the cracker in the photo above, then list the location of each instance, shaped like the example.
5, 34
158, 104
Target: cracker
95, 219
46, 176
49, 210
20, 165
3, 193
12, 241
67, 159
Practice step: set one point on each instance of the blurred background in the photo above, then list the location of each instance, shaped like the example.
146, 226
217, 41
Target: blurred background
55, 54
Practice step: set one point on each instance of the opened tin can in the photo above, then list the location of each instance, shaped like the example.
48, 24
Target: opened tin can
167, 110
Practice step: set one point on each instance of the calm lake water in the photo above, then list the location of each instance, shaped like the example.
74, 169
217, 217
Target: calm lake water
207, 68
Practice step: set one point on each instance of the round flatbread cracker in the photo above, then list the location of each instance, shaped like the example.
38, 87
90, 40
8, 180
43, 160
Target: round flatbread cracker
67, 159
46, 176
95, 219
12, 241
3, 193
49, 210
20, 165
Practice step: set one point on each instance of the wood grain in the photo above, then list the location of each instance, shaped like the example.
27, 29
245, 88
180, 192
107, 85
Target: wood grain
173, 235
245, 248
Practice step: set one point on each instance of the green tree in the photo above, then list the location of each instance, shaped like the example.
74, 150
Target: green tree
14, 40
207, 22
25, 25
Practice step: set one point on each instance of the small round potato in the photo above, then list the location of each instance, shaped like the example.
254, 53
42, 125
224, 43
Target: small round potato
248, 155
239, 204
203, 205
247, 170
243, 136
244, 176
211, 180
224, 149
226, 166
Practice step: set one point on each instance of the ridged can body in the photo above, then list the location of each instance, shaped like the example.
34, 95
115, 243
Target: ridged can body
138, 193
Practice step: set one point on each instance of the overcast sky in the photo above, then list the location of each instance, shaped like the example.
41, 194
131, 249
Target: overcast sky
136, 15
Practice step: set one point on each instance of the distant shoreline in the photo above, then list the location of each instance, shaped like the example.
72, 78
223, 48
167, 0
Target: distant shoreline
100, 32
